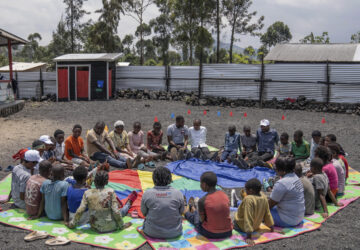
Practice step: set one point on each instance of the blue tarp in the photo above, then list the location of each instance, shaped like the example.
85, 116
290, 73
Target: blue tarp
229, 176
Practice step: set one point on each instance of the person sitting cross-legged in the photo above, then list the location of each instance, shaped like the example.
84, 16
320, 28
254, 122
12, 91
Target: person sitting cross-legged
178, 138
199, 148
212, 218
97, 150
162, 207
104, 209
253, 210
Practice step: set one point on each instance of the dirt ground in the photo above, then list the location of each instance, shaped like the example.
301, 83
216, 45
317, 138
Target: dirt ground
19, 130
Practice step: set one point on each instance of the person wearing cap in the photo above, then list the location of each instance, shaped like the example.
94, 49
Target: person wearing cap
120, 139
49, 144
20, 175
266, 139
96, 139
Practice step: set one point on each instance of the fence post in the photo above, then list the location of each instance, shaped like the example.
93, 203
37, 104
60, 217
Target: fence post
18, 88
328, 92
262, 82
200, 78
41, 84
167, 76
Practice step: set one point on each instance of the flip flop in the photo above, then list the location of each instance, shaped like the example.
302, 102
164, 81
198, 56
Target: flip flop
150, 164
36, 235
141, 166
57, 241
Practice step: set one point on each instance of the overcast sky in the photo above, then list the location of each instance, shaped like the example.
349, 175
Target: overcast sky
339, 17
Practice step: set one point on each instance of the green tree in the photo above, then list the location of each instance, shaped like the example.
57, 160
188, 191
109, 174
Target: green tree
311, 38
355, 38
262, 52
102, 35
174, 58
30, 51
240, 20
127, 43
61, 42
74, 13
141, 32
276, 33
136, 10
162, 28
185, 18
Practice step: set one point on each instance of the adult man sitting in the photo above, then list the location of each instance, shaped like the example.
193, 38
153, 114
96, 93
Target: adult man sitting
178, 137
97, 150
199, 148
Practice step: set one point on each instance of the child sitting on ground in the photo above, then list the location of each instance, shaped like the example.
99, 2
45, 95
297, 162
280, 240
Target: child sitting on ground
75, 193
320, 182
248, 141
20, 175
284, 148
340, 170
309, 193
315, 142
212, 219
253, 210
59, 151
104, 209
49, 148
154, 140
54, 195
331, 138
136, 140
32, 192
300, 148
325, 155
74, 148
232, 145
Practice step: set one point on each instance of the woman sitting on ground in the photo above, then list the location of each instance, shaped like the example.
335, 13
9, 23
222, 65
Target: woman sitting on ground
162, 206
104, 211
287, 203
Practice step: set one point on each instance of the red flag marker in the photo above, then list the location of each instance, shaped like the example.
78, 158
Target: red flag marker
323, 121
245, 114
189, 111
156, 119
205, 112
231, 113
283, 118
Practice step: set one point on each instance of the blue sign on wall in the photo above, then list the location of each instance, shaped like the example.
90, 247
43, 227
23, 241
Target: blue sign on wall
100, 84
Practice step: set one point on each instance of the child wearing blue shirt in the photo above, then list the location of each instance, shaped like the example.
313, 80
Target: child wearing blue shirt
75, 193
54, 194
232, 145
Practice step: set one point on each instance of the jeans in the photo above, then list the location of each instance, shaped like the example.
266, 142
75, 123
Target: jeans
194, 219
124, 210
228, 153
102, 157
277, 220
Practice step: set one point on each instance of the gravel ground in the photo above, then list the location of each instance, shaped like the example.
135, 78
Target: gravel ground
19, 130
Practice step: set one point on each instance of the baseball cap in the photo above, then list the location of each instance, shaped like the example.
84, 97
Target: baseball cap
264, 122
32, 155
46, 139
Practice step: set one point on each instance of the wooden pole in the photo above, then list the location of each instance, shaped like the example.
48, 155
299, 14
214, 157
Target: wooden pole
328, 92
10, 59
262, 82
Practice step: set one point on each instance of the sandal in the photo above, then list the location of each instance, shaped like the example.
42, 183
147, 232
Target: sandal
150, 164
57, 241
36, 235
141, 166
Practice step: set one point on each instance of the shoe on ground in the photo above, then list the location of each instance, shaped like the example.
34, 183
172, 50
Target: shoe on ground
132, 196
181, 155
36, 235
214, 156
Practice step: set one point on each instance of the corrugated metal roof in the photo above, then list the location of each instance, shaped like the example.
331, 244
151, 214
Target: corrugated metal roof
315, 53
104, 57
22, 66
4, 36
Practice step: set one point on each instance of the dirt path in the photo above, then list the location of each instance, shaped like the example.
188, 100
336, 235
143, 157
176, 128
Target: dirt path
19, 130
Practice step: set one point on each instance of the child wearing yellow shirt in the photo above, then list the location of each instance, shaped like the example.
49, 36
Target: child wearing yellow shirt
253, 210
